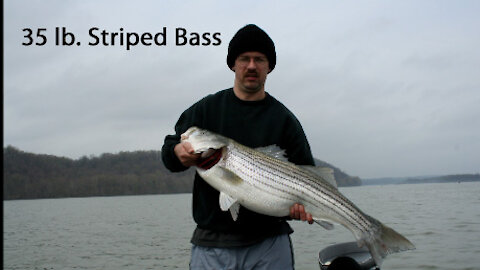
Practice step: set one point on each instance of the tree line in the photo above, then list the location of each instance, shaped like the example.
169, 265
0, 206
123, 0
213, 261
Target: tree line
444, 179
32, 176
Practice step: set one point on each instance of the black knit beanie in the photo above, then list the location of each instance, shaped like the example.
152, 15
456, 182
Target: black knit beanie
251, 38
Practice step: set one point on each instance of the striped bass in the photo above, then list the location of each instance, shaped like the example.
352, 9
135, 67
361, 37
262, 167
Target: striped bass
265, 182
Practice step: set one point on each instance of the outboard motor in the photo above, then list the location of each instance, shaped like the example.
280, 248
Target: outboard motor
346, 256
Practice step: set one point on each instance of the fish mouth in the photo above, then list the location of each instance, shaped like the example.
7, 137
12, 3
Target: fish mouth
209, 158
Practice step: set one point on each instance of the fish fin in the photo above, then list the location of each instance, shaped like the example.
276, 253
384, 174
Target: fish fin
273, 151
226, 201
385, 242
229, 203
234, 210
324, 172
325, 224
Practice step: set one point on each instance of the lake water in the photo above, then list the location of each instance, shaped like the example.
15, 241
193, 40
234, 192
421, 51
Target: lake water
153, 232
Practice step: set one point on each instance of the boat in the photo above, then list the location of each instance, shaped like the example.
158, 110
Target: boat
346, 256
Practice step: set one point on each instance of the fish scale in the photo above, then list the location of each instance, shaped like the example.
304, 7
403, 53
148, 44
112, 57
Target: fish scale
270, 186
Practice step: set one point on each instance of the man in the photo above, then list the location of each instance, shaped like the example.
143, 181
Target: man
251, 116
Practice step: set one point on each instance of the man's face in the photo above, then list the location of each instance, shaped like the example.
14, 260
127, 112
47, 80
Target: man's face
251, 69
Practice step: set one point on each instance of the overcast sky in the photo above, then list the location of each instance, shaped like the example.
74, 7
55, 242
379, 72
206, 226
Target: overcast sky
382, 88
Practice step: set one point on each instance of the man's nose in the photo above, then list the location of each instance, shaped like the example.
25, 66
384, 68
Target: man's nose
252, 64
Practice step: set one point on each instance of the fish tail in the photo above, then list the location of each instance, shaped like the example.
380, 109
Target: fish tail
386, 241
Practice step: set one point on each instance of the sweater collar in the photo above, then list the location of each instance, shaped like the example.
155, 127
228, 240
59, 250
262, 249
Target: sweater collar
263, 101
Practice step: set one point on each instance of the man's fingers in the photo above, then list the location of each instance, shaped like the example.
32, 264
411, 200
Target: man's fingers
188, 148
294, 211
301, 211
309, 218
186, 154
297, 211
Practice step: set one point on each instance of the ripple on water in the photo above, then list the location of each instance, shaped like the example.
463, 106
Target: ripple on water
428, 267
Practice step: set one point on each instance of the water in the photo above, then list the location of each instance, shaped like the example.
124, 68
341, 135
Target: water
153, 232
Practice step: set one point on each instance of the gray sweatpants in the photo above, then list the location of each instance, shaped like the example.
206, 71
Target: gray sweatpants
272, 253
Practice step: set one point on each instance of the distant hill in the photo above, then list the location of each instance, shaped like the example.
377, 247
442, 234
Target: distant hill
31, 176
383, 181
342, 178
444, 179
422, 179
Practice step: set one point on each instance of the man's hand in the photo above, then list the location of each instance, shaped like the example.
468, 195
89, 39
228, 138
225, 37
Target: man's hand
186, 154
297, 211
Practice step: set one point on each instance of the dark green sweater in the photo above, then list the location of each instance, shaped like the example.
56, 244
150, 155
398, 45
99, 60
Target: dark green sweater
251, 123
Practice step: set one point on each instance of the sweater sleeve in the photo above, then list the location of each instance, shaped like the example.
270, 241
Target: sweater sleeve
297, 146
189, 118
301, 153
169, 158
